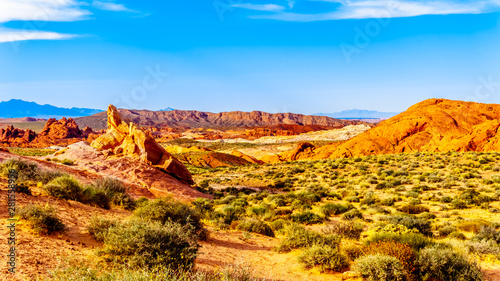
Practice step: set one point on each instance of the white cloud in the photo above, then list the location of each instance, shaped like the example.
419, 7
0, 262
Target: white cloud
111, 6
46, 11
265, 7
362, 9
19, 35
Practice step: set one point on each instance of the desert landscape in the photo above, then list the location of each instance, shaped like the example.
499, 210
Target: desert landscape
414, 197
250, 140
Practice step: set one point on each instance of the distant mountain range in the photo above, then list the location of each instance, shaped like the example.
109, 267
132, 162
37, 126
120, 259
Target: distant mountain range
199, 119
359, 114
18, 108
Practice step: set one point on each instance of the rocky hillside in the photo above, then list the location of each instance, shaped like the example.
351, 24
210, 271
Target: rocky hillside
434, 125
55, 132
198, 119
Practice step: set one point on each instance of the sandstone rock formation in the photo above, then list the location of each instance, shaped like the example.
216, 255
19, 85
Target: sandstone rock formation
246, 157
16, 137
434, 125
60, 129
124, 138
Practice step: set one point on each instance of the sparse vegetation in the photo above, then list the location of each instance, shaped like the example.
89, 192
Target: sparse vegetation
43, 219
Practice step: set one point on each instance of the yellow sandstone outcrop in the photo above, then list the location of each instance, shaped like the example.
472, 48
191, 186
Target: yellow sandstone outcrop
124, 138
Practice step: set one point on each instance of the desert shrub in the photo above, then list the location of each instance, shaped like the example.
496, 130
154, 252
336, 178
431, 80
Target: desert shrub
350, 230
351, 215
25, 170
370, 198
298, 237
472, 196
279, 224
228, 214
416, 241
446, 199
483, 247
352, 199
167, 209
306, 217
458, 204
68, 162
446, 230
403, 252
352, 249
83, 272
324, 257
204, 207
388, 201
414, 209
98, 227
457, 235
65, 187
263, 211
43, 219
487, 233
379, 268
330, 209
445, 264
426, 216
91, 195
45, 176
116, 191
472, 225
151, 243
411, 222
256, 226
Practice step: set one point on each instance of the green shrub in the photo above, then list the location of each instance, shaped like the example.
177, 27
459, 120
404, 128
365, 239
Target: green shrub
307, 217
350, 230
91, 195
324, 257
487, 233
68, 162
151, 243
403, 252
65, 187
426, 216
166, 209
458, 204
298, 237
98, 227
414, 209
256, 226
279, 224
445, 264
25, 170
203, 206
472, 225
411, 222
42, 219
416, 241
330, 209
379, 268
116, 191
483, 247
457, 235
351, 215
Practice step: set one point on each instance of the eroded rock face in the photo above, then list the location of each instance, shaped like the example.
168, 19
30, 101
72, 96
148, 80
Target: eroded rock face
124, 138
434, 125
16, 137
60, 129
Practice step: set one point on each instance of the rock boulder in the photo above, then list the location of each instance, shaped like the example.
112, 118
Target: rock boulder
124, 138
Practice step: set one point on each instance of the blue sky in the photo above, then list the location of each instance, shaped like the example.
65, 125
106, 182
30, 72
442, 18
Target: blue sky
299, 56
